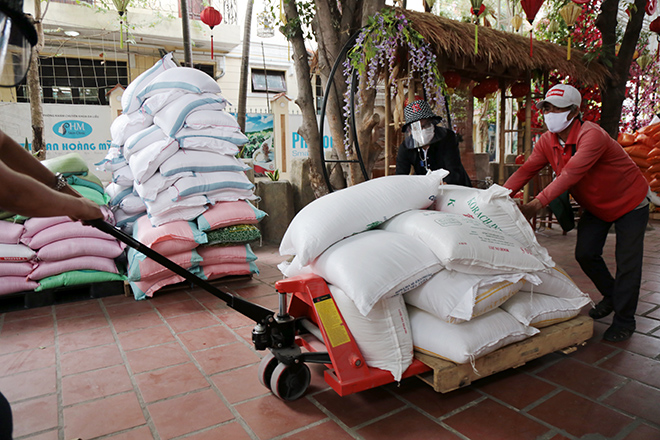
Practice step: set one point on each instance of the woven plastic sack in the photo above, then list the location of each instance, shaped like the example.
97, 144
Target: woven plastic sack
465, 244
357, 208
141, 267
35, 225
219, 120
63, 231
12, 284
142, 139
145, 162
457, 297
170, 238
187, 79
234, 234
10, 232
215, 271
156, 102
206, 143
171, 117
16, 252
149, 189
201, 162
224, 214
129, 99
187, 135
211, 255
234, 183
12, 269
48, 268
556, 282
539, 310
165, 203
78, 247
127, 124
68, 164
383, 336
78, 277
466, 342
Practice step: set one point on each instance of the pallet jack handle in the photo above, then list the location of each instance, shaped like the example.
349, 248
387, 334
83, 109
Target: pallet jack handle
253, 311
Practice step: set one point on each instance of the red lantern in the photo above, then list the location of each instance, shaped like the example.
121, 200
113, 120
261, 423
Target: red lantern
211, 17
521, 115
479, 91
452, 79
651, 6
654, 26
531, 8
490, 85
581, 2
519, 89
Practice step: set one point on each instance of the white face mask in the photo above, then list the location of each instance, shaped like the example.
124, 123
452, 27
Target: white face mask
422, 136
557, 122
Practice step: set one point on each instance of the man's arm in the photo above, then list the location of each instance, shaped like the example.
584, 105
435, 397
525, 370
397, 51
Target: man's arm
402, 162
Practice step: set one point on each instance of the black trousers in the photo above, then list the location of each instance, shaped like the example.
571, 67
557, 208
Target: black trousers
623, 289
6, 425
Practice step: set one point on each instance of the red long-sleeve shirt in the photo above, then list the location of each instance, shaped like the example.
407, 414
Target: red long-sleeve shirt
601, 176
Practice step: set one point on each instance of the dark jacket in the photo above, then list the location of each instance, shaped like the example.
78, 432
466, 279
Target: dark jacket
443, 153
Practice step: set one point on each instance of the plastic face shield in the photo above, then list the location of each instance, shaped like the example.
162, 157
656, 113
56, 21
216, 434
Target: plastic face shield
15, 53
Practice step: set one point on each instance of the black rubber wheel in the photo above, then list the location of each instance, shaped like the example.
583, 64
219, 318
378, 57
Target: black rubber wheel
289, 382
266, 368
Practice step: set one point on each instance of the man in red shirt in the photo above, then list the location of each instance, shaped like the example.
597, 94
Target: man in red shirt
611, 190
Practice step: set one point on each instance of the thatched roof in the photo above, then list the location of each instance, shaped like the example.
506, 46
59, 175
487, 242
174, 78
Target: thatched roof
501, 54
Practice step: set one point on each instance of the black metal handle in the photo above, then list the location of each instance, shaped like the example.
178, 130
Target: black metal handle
251, 310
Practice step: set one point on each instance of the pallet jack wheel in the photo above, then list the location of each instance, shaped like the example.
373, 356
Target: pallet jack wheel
266, 368
289, 382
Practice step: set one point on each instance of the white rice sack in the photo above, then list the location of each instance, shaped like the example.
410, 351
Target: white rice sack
463, 343
132, 204
234, 183
456, 297
117, 193
376, 264
15, 252
355, 209
383, 336
145, 162
149, 189
186, 79
494, 208
465, 244
219, 120
151, 105
171, 117
539, 310
125, 221
190, 139
127, 124
123, 176
129, 99
556, 282
175, 213
201, 162
143, 139
112, 161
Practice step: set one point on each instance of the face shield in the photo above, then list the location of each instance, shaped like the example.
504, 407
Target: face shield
15, 52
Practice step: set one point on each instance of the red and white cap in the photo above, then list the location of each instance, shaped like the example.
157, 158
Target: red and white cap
562, 96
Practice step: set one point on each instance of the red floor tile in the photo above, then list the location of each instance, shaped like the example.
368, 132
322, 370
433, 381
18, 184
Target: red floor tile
234, 319
30, 384
416, 427
87, 339
269, 416
240, 384
28, 324
80, 323
593, 351
202, 410
34, 415
207, 338
581, 378
137, 321
95, 384
224, 358
192, 321
129, 308
643, 432
20, 315
635, 367
170, 381
71, 310
358, 408
151, 358
647, 346
436, 404
53, 434
101, 417
141, 433
13, 342
637, 399
515, 388
26, 360
489, 419
325, 431
146, 337
169, 310
229, 431
90, 359
579, 416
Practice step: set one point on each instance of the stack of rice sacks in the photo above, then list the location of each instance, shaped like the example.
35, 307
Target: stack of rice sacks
177, 184
52, 252
451, 271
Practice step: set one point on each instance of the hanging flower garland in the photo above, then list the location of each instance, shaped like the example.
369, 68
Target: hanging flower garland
378, 46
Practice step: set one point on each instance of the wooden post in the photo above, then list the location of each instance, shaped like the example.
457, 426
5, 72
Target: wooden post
502, 143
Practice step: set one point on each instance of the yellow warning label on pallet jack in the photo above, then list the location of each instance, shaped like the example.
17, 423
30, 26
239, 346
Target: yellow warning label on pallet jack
331, 320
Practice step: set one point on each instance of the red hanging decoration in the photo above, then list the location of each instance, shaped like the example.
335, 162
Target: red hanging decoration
654, 26
490, 85
651, 6
479, 91
477, 9
531, 8
452, 79
519, 89
211, 17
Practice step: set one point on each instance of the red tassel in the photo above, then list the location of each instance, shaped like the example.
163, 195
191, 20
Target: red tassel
531, 43
211, 46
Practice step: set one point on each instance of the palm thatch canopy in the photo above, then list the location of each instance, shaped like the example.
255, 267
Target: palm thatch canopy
501, 54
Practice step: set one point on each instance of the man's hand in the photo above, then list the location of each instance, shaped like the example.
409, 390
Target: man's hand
530, 209
84, 210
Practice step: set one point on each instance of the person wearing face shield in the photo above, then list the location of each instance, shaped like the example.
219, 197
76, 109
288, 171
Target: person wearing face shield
26, 186
427, 147
611, 190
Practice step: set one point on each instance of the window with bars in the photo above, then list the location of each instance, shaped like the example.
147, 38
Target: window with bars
67, 80
268, 81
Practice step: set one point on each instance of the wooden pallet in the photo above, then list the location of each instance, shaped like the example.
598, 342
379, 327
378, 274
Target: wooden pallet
447, 376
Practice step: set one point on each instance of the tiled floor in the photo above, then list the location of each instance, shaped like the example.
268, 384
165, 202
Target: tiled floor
182, 366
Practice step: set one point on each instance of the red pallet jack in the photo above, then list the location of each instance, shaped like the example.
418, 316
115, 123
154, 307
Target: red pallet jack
311, 321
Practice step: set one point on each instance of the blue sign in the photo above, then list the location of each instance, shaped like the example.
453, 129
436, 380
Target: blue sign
72, 129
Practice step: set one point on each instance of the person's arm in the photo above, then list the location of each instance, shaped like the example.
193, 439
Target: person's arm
402, 161
534, 163
450, 159
25, 187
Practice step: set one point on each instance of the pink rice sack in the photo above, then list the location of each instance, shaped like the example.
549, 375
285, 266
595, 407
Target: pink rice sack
226, 254
16, 284
62, 231
224, 214
78, 247
47, 268
10, 233
141, 267
34, 225
213, 271
170, 238
22, 269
